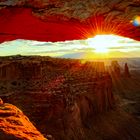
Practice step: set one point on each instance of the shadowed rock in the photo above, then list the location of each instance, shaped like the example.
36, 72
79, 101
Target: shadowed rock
116, 69
64, 94
67, 99
126, 71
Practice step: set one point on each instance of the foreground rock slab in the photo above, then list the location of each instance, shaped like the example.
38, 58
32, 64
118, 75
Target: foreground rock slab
14, 125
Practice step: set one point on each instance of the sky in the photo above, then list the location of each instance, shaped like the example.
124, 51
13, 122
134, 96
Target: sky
100, 46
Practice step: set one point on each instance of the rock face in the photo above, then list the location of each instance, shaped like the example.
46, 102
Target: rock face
14, 125
115, 69
126, 71
60, 20
17, 70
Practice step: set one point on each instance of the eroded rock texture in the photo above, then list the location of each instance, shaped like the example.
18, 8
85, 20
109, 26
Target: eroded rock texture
58, 20
61, 96
65, 98
14, 125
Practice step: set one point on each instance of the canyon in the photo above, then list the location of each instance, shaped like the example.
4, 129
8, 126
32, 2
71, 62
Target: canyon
67, 99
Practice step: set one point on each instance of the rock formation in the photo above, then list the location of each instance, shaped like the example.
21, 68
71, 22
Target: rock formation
117, 71
64, 94
14, 125
126, 71
60, 20
66, 99
115, 67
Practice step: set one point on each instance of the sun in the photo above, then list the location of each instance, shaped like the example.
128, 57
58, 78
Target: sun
102, 43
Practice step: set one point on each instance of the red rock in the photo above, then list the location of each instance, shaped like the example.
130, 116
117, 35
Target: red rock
63, 93
67, 99
14, 125
60, 20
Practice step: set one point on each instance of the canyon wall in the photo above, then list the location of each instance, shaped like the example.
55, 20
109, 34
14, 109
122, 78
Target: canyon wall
61, 96
67, 99
118, 71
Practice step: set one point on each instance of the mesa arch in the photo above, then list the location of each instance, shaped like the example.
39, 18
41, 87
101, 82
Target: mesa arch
60, 20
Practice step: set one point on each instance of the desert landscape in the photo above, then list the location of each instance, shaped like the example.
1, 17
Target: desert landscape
69, 70
67, 99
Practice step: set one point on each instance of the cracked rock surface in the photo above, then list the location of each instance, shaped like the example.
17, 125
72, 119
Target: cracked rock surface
59, 20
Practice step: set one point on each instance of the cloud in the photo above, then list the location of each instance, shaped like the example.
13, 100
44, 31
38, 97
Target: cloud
78, 55
67, 48
38, 44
